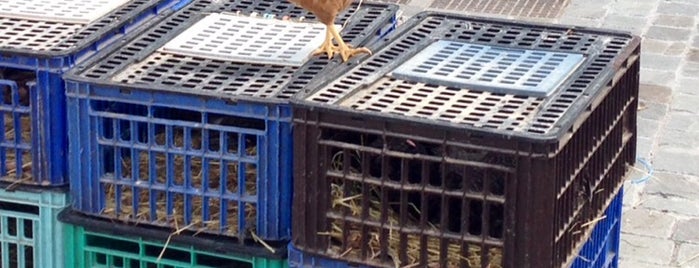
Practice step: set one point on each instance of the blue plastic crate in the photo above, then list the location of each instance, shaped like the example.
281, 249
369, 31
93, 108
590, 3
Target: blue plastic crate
34, 54
602, 248
600, 251
31, 234
148, 148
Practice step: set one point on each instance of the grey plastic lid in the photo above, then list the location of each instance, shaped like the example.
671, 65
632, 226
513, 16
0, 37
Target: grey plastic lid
489, 68
224, 36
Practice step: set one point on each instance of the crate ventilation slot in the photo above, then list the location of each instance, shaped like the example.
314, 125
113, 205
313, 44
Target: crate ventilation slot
235, 38
64, 11
496, 69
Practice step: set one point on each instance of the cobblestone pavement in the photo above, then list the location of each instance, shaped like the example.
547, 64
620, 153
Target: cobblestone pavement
661, 215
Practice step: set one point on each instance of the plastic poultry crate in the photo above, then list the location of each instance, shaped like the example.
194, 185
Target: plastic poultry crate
466, 140
189, 124
101, 243
39, 41
30, 235
600, 251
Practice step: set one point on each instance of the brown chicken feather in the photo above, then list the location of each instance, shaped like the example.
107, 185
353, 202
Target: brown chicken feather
326, 11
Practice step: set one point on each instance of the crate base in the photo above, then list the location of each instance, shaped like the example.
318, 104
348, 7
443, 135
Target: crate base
210, 243
87, 248
600, 251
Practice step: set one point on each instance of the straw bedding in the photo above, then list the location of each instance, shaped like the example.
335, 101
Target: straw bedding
11, 154
177, 218
347, 198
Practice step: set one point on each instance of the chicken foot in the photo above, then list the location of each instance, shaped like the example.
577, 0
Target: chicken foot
345, 51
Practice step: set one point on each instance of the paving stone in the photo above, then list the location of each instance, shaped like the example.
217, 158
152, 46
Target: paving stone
657, 77
675, 49
632, 24
688, 255
674, 21
693, 55
651, 110
655, 93
572, 20
650, 250
687, 231
668, 33
584, 10
675, 205
647, 222
678, 9
644, 147
689, 86
633, 7
679, 140
623, 263
647, 128
632, 193
649, 45
685, 103
676, 158
659, 61
667, 184
683, 122
689, 2
690, 70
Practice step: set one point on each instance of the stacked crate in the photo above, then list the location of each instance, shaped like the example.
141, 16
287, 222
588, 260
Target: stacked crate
467, 142
94, 242
187, 126
39, 41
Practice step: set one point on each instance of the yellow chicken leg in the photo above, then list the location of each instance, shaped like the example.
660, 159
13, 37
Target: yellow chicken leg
330, 49
345, 51
327, 47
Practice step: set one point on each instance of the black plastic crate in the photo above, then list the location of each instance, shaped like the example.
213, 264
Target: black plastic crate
39, 41
170, 137
466, 141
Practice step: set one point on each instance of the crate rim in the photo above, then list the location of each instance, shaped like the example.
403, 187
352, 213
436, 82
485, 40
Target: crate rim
210, 243
560, 129
76, 74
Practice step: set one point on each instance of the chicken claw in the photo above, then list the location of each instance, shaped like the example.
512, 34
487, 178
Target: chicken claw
348, 52
327, 47
345, 50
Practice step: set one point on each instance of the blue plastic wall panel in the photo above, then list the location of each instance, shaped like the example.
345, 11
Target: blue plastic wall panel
34, 101
180, 141
602, 248
30, 234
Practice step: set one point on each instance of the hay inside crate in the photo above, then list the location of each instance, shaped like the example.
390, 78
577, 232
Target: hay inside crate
214, 224
344, 199
11, 153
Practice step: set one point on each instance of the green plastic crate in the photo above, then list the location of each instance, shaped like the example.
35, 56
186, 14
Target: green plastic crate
30, 234
94, 249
